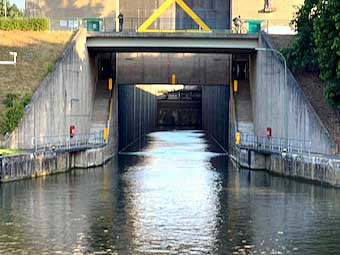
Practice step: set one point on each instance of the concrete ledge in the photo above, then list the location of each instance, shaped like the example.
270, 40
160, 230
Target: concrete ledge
26, 166
183, 42
217, 34
319, 169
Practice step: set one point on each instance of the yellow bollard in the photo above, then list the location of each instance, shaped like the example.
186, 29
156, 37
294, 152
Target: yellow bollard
173, 79
235, 86
238, 138
110, 84
106, 134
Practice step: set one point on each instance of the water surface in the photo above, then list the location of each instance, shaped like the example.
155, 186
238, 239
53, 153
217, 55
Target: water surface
171, 193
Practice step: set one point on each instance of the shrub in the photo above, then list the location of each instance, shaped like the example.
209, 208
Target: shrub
50, 67
24, 24
10, 99
14, 112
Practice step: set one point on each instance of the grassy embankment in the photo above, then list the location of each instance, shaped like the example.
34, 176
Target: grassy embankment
8, 152
37, 54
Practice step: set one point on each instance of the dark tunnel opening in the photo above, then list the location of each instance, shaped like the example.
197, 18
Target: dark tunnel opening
201, 103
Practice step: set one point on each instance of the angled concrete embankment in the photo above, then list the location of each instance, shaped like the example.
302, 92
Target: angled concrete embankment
65, 97
274, 101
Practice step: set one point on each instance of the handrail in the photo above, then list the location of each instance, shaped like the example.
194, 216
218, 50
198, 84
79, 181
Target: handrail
108, 24
276, 144
65, 142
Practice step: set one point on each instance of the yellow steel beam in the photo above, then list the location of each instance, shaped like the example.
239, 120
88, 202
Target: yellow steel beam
155, 15
144, 27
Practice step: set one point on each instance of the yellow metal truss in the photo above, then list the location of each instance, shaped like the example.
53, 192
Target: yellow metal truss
144, 27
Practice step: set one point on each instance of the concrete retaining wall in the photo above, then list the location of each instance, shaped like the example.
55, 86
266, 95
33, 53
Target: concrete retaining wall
269, 106
34, 165
65, 97
99, 156
318, 169
157, 68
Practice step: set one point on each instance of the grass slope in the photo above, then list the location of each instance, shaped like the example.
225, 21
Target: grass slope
8, 152
37, 53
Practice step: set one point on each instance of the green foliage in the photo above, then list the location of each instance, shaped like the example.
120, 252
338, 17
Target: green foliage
301, 56
10, 99
327, 42
317, 46
15, 107
24, 24
332, 93
50, 67
12, 10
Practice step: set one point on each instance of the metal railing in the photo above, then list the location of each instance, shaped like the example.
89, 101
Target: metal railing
65, 142
131, 24
278, 26
276, 144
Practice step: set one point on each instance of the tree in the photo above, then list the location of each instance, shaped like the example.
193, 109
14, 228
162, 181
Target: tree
12, 10
301, 56
317, 45
327, 44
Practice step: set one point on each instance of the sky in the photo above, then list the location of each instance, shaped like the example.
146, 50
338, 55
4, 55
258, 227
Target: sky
19, 3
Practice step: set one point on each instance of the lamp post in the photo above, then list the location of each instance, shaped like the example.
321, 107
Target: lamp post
285, 84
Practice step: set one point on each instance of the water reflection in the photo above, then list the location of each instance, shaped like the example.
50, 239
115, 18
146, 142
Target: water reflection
173, 193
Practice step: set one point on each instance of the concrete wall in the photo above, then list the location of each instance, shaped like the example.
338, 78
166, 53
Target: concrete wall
276, 21
216, 13
157, 68
269, 106
65, 97
319, 169
71, 9
215, 112
99, 156
34, 165
137, 112
132, 9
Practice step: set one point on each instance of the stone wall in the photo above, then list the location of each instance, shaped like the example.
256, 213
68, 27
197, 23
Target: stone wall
65, 97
